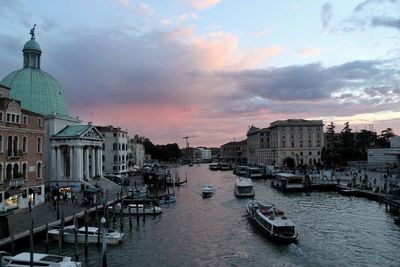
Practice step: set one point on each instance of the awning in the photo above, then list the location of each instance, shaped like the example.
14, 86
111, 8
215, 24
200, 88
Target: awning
13, 192
34, 190
92, 190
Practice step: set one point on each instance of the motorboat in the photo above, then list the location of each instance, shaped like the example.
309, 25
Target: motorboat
207, 190
240, 170
253, 172
223, 166
272, 221
39, 259
244, 187
112, 236
213, 166
137, 209
165, 199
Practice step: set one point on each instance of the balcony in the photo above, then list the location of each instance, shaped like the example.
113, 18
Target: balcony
14, 154
14, 183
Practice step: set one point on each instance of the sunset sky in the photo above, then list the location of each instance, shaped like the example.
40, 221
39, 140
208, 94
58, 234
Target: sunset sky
165, 69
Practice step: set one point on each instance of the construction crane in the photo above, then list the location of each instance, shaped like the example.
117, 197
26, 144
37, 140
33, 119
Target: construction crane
187, 139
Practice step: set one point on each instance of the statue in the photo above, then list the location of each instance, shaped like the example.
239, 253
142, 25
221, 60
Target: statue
32, 32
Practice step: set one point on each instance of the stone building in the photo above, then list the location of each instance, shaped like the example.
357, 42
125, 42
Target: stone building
21, 154
234, 152
299, 139
115, 156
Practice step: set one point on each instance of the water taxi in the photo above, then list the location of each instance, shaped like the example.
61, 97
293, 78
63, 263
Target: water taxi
272, 221
244, 187
112, 236
254, 172
207, 190
39, 259
213, 166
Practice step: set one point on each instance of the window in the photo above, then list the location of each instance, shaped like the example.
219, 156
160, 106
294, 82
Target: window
1, 116
39, 145
25, 144
301, 153
24, 119
1, 144
39, 170
310, 153
8, 117
115, 134
39, 122
24, 171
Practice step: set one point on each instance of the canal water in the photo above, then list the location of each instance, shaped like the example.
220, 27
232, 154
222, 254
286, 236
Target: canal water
333, 230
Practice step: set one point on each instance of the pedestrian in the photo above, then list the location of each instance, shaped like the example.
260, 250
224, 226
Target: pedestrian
30, 205
61, 197
55, 202
73, 197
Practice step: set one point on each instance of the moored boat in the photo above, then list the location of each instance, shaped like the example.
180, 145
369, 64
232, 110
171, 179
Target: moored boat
112, 236
207, 190
39, 259
137, 209
272, 221
288, 182
244, 187
213, 166
168, 198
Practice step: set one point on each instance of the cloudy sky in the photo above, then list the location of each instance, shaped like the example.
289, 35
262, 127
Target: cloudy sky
211, 68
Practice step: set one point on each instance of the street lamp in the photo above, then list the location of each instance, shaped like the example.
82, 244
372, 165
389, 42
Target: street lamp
103, 241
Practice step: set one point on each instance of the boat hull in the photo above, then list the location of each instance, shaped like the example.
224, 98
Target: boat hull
70, 238
244, 195
139, 210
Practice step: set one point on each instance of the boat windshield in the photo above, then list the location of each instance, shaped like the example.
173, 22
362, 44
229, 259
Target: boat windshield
52, 258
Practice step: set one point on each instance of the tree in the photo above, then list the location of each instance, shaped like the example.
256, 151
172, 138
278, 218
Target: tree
384, 137
330, 129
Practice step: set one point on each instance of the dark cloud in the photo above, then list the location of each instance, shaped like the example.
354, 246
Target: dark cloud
364, 4
386, 22
326, 14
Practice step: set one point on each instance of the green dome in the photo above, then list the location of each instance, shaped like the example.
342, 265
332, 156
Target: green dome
37, 90
32, 45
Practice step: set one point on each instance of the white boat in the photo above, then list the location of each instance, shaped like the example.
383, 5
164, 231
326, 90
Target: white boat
244, 187
223, 166
137, 209
112, 236
39, 259
213, 166
272, 221
207, 190
240, 170
288, 182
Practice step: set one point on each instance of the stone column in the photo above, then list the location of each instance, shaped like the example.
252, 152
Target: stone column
86, 162
98, 161
53, 163
71, 162
59, 168
79, 162
101, 162
93, 165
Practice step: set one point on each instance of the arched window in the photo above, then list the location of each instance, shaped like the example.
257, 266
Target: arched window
15, 146
1, 173
9, 146
1, 143
25, 144
24, 171
39, 145
9, 172
15, 171
39, 170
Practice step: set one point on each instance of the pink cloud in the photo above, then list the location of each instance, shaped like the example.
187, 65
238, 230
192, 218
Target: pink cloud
309, 52
202, 4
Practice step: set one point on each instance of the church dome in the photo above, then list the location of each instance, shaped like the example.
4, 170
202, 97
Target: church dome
37, 90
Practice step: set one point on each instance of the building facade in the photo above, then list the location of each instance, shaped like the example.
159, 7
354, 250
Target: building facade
382, 157
136, 154
299, 139
21, 154
234, 152
115, 147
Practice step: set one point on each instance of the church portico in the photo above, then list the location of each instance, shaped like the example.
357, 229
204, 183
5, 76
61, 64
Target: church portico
76, 155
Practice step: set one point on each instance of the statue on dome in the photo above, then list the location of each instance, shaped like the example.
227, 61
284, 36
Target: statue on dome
32, 32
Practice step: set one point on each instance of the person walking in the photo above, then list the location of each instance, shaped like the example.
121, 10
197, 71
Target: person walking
30, 205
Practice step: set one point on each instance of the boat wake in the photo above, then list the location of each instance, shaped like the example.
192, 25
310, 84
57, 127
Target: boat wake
296, 250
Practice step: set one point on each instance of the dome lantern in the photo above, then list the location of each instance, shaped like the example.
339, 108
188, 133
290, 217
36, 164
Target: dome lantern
32, 52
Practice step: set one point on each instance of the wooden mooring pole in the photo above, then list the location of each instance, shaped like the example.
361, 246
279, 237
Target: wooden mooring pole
47, 238
31, 245
86, 222
76, 239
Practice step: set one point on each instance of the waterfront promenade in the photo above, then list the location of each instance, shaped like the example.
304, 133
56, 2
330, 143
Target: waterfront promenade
20, 220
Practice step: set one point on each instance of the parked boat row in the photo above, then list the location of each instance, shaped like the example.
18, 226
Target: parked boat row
249, 172
223, 166
136, 209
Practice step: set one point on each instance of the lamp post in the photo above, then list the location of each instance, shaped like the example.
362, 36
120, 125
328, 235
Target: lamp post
103, 241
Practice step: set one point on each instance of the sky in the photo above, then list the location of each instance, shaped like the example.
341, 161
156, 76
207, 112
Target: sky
212, 68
